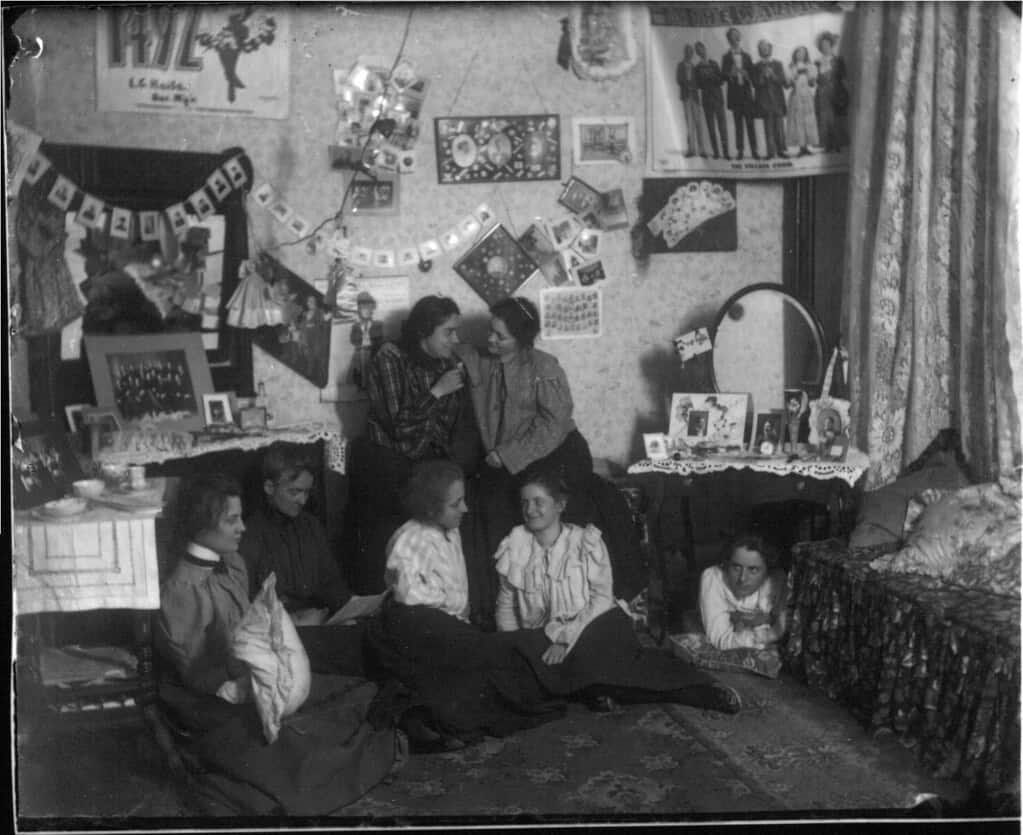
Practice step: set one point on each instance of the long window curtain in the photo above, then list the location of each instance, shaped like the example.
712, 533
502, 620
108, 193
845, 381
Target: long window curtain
931, 303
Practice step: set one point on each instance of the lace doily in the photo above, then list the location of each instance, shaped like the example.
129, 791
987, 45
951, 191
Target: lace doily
849, 470
334, 446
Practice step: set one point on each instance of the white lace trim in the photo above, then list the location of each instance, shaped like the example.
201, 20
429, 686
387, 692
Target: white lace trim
849, 471
334, 446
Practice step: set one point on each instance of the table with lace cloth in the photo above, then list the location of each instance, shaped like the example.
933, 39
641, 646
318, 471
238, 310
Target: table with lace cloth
934, 663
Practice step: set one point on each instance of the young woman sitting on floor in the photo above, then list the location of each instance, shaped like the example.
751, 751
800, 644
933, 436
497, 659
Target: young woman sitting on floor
461, 682
325, 756
556, 587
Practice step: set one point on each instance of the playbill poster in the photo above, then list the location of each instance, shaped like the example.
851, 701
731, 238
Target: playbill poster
747, 90
201, 59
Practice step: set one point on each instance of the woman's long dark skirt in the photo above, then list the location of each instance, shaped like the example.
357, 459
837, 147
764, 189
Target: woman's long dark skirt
608, 658
473, 683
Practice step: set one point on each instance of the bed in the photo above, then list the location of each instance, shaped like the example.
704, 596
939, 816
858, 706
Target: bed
917, 630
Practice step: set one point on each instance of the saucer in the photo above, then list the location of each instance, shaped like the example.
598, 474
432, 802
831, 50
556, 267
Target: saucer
62, 508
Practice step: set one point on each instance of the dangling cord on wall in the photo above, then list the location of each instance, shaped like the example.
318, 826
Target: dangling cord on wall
337, 217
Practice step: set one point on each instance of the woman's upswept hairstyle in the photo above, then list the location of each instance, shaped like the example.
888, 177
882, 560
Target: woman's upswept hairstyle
424, 318
201, 501
287, 461
427, 488
521, 317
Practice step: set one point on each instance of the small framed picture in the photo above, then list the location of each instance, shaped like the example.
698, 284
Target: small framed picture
216, 409
281, 211
264, 195
75, 414
379, 196
766, 438
587, 244
103, 425
656, 445
579, 197
603, 139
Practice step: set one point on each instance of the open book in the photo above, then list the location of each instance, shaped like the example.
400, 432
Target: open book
358, 606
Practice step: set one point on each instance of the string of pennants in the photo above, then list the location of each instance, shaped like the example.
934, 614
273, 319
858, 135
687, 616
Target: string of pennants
336, 244
123, 223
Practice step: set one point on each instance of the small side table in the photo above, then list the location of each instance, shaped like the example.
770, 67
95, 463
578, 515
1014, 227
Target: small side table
102, 559
735, 484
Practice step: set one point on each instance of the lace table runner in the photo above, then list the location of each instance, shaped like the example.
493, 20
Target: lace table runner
153, 453
849, 470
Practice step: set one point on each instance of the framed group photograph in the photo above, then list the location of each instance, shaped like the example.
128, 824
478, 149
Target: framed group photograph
603, 139
151, 379
43, 465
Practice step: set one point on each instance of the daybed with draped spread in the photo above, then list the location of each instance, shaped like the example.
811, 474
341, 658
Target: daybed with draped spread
938, 664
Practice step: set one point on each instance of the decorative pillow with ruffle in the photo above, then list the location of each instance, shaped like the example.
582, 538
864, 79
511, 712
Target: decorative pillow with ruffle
969, 537
694, 648
279, 674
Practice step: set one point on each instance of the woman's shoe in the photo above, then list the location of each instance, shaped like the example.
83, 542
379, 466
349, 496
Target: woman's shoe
711, 697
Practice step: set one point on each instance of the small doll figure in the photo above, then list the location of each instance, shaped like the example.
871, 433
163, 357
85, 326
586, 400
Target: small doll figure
796, 406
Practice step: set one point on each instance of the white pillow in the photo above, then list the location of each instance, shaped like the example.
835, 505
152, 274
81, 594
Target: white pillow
266, 640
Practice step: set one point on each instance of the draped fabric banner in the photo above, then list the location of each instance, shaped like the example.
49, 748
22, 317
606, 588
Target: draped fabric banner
204, 60
747, 90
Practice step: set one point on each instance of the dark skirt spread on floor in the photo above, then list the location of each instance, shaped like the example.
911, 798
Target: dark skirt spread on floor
472, 683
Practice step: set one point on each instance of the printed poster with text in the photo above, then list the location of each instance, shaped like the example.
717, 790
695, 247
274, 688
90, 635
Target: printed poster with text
209, 59
747, 90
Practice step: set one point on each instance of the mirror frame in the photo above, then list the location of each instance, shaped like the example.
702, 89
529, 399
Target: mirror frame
814, 321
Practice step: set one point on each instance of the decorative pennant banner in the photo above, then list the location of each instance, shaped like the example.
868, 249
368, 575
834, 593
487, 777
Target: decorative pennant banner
177, 217
62, 193
120, 223
149, 226
38, 166
91, 212
94, 213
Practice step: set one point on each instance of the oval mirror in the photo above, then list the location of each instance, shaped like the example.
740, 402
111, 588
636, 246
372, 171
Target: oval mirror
765, 340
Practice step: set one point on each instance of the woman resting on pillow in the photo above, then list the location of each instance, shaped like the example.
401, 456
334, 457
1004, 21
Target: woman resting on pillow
742, 600
325, 756
462, 682
556, 586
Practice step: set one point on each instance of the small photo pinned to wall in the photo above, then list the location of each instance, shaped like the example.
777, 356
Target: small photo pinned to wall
564, 231
541, 249
149, 226
587, 244
299, 226
589, 274
484, 215
379, 196
281, 211
603, 139
264, 195
570, 312
612, 213
579, 197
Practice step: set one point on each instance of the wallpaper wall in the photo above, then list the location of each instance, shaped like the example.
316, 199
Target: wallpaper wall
483, 59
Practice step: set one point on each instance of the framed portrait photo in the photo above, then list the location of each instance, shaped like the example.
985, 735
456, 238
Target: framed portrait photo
216, 409
156, 379
767, 429
375, 196
579, 197
75, 414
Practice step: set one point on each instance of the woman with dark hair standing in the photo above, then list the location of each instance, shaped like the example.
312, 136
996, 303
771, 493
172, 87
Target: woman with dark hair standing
523, 406
417, 397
